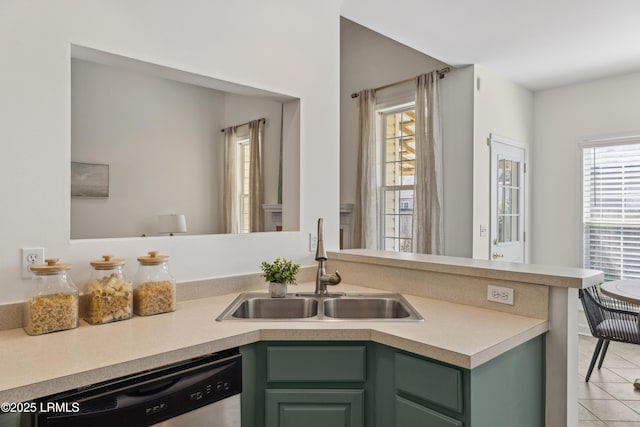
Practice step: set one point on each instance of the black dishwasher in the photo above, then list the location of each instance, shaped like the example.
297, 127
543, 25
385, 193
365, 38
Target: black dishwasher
196, 392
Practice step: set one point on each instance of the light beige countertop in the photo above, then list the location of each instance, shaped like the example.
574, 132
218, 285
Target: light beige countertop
35, 366
549, 275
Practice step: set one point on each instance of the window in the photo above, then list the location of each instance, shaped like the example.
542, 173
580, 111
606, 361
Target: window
243, 158
611, 207
398, 172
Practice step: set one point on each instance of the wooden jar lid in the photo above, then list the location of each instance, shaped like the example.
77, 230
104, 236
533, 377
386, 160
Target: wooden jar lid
152, 259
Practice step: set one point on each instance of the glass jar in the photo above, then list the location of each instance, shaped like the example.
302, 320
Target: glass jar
154, 289
53, 303
108, 296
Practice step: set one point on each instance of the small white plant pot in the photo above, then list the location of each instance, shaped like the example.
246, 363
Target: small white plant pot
277, 290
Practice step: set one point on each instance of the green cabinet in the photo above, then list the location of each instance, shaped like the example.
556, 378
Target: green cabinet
364, 384
290, 384
314, 408
411, 414
429, 381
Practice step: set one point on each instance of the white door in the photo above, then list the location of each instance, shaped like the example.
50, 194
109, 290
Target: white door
507, 200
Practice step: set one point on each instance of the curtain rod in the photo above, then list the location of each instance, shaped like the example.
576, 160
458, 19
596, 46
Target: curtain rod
440, 72
243, 124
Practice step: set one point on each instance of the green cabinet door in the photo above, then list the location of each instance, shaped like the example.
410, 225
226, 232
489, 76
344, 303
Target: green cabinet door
410, 414
314, 408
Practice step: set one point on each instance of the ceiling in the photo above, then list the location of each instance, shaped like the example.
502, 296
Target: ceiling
538, 44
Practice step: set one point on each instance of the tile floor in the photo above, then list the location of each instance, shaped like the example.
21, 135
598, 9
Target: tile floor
609, 398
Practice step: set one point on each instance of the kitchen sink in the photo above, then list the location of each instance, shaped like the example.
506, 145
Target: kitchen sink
367, 307
276, 308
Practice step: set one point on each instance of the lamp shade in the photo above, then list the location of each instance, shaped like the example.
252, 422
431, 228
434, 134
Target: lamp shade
172, 223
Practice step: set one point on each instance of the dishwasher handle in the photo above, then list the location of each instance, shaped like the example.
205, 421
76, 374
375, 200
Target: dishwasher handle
153, 388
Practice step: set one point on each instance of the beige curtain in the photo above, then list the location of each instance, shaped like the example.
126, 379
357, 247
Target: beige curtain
428, 227
365, 209
256, 190
231, 201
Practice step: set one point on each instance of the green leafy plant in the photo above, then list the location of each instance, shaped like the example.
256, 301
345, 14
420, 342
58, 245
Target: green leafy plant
281, 271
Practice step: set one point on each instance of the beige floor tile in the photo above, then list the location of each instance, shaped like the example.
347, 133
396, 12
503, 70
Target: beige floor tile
603, 375
610, 410
626, 373
584, 414
613, 360
592, 390
633, 404
631, 356
591, 424
622, 424
621, 391
609, 398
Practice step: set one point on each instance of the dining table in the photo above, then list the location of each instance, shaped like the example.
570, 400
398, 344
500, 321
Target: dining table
625, 289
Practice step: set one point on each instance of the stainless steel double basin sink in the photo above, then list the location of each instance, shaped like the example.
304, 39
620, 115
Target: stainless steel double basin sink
310, 307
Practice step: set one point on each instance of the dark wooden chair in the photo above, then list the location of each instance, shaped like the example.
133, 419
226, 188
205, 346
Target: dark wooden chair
609, 319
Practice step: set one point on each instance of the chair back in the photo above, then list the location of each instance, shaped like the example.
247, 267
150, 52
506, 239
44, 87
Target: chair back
610, 318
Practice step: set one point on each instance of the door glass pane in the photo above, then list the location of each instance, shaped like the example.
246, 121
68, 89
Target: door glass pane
501, 172
515, 201
515, 174
515, 229
508, 200
507, 172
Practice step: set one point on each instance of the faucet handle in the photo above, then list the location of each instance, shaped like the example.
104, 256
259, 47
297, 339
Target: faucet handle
338, 278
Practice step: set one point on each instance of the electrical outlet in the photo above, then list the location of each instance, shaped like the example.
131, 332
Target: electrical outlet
500, 294
31, 256
313, 242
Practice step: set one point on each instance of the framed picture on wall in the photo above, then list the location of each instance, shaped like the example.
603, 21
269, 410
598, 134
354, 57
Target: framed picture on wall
89, 180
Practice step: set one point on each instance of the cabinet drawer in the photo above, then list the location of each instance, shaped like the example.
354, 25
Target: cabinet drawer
409, 414
429, 381
316, 363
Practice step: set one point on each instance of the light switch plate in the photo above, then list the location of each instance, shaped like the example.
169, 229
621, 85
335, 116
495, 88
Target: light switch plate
313, 242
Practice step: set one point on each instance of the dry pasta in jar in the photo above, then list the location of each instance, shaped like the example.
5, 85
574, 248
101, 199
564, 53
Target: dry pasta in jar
154, 288
108, 296
53, 305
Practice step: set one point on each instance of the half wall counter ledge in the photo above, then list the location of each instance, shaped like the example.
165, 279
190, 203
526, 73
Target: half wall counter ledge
540, 291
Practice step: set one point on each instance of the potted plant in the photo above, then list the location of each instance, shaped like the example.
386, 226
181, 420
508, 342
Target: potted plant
279, 274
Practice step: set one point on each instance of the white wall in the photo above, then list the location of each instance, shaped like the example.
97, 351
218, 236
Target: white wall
562, 116
162, 142
368, 60
456, 99
506, 109
292, 48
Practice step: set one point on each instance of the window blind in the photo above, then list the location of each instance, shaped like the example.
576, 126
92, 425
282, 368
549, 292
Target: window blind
611, 209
